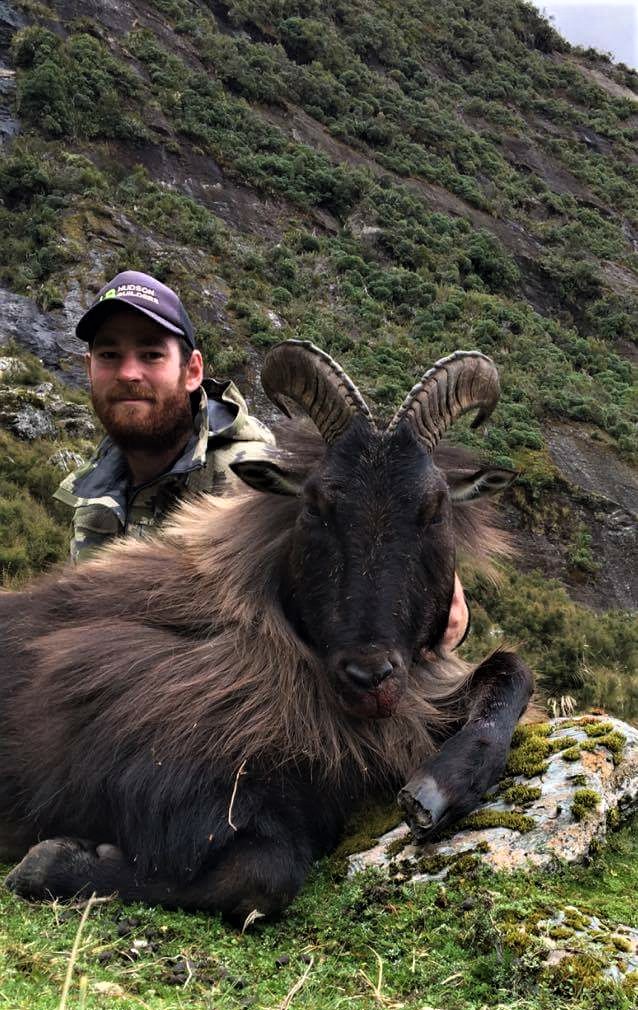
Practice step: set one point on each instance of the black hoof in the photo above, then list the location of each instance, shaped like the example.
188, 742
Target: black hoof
57, 867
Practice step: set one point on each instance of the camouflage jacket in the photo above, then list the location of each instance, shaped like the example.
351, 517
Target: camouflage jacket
106, 506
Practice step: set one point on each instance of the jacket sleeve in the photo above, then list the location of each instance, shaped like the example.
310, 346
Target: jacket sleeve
92, 527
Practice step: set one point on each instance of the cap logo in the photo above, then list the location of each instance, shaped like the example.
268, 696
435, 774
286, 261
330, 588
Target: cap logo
131, 291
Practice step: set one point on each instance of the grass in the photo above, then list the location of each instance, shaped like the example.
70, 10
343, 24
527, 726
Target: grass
361, 942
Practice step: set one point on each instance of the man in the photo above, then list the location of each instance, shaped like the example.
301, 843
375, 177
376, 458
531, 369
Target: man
169, 430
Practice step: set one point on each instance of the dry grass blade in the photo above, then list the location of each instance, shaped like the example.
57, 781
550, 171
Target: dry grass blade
299, 984
250, 918
378, 986
240, 772
74, 952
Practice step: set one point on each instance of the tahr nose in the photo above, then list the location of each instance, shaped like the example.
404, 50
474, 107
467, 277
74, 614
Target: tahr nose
368, 674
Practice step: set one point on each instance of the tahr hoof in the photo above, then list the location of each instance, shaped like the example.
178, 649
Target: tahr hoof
423, 804
51, 869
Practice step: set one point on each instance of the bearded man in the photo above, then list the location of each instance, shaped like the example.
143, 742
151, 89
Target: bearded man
169, 430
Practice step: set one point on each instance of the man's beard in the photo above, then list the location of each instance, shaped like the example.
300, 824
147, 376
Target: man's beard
163, 425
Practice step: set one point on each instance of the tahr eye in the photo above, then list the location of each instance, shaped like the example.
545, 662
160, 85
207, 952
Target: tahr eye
431, 513
312, 510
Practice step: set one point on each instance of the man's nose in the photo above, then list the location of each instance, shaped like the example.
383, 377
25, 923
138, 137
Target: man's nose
130, 368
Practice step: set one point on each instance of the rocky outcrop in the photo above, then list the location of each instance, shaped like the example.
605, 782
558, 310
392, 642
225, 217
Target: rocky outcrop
569, 781
40, 412
45, 334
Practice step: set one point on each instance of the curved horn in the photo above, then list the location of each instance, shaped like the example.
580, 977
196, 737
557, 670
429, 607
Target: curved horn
299, 371
462, 381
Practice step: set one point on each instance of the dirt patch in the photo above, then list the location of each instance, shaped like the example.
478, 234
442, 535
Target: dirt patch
586, 463
602, 503
597, 77
200, 177
529, 157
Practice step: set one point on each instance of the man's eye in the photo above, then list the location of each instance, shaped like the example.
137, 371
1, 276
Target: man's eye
153, 355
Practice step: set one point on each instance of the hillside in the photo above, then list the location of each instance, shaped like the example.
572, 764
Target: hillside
392, 181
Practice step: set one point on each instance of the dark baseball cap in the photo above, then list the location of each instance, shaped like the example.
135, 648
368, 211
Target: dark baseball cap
143, 293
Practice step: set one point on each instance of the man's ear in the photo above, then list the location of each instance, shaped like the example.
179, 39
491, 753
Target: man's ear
194, 371
265, 475
489, 480
87, 364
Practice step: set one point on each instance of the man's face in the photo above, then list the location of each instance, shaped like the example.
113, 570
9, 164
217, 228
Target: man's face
139, 386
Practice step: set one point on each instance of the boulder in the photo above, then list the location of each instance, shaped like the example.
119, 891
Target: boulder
569, 780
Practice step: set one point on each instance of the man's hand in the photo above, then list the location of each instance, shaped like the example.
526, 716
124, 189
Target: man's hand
457, 621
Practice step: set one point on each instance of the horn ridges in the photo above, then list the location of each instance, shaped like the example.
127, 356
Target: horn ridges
462, 381
297, 370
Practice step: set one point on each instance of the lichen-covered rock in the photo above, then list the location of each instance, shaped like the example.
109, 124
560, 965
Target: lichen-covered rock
66, 460
572, 932
569, 781
39, 412
9, 366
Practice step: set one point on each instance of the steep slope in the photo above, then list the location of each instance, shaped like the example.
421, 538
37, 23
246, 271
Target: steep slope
390, 180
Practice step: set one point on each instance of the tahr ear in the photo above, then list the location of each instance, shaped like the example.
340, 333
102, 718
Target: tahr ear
487, 481
265, 475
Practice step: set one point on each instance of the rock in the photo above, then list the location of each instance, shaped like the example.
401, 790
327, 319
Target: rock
72, 419
66, 460
573, 930
274, 319
41, 413
9, 125
27, 422
571, 779
108, 989
44, 334
9, 367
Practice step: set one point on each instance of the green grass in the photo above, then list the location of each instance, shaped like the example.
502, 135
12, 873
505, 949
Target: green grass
457, 947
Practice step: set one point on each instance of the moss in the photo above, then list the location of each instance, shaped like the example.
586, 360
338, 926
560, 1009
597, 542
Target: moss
614, 742
583, 802
398, 845
521, 794
630, 984
364, 830
517, 939
573, 917
574, 974
571, 754
598, 728
497, 819
529, 756
523, 733
433, 864
532, 748
465, 865
560, 932
456, 863
613, 818
578, 780
621, 943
